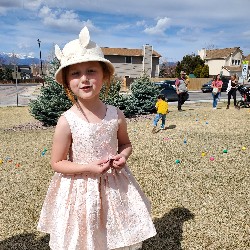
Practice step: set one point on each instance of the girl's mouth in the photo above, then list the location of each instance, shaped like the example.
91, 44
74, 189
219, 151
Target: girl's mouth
86, 87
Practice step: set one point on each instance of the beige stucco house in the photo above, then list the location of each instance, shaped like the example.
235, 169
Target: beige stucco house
226, 61
132, 63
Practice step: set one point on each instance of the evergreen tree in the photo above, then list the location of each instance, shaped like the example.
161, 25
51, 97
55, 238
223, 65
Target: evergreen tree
112, 95
142, 98
52, 101
205, 72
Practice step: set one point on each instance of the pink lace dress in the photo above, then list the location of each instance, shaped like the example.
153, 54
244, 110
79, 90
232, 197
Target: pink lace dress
95, 212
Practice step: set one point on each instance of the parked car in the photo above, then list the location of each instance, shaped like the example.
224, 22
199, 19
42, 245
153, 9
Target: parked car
166, 82
206, 87
169, 91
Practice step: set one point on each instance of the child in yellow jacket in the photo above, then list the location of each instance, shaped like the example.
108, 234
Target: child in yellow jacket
162, 109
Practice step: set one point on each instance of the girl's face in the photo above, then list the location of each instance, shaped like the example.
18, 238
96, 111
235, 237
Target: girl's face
85, 79
218, 77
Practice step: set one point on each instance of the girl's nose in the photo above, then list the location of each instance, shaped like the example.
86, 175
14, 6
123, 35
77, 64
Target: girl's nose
84, 78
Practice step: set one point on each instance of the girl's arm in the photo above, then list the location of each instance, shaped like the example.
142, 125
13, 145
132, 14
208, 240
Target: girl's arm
59, 156
124, 144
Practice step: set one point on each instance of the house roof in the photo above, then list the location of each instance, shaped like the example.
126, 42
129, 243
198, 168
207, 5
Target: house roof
247, 58
125, 52
220, 53
232, 68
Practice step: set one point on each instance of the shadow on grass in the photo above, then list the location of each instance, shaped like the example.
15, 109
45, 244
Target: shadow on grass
169, 230
166, 128
169, 235
171, 126
25, 242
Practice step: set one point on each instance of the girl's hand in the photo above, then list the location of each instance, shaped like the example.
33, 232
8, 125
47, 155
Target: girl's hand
119, 161
99, 167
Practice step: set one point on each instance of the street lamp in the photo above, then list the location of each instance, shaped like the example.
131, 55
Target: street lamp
41, 63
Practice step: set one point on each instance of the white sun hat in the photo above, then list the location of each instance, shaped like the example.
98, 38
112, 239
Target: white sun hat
77, 51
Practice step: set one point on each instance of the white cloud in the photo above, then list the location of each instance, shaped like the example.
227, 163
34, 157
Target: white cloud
63, 20
159, 29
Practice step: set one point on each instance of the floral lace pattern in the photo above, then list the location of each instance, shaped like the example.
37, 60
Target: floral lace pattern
95, 212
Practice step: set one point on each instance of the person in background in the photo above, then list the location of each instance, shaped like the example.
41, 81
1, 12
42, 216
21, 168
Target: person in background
216, 85
181, 89
231, 90
162, 110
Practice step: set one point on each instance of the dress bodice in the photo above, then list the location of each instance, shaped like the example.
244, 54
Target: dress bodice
93, 141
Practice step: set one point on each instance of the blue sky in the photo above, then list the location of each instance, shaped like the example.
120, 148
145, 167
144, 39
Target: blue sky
174, 28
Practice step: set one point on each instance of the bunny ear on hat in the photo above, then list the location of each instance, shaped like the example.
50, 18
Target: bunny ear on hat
58, 52
84, 37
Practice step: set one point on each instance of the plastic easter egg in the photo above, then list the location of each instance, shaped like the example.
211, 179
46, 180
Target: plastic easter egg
203, 154
211, 158
1, 161
44, 152
225, 151
243, 148
177, 161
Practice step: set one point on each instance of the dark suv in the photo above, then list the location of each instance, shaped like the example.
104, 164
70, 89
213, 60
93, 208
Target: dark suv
168, 89
206, 87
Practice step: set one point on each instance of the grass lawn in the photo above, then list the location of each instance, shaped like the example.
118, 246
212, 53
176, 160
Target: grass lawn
199, 203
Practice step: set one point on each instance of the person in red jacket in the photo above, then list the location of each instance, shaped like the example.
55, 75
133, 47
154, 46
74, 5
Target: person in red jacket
216, 85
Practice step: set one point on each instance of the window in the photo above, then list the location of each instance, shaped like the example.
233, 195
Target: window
232, 62
128, 59
238, 62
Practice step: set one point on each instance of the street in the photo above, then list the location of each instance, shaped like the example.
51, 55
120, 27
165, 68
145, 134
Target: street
10, 95
27, 92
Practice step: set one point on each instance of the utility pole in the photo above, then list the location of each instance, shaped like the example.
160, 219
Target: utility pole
41, 63
16, 75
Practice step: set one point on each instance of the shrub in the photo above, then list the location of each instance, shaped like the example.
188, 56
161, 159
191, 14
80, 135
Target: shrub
113, 96
143, 96
50, 104
52, 101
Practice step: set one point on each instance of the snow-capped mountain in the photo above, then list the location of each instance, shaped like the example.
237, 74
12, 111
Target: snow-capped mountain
19, 59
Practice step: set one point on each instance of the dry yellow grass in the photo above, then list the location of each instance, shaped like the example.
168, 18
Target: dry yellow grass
196, 204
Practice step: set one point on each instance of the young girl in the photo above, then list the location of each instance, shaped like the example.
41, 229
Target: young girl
93, 201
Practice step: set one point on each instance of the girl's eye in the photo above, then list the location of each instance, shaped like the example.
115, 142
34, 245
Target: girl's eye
74, 73
91, 71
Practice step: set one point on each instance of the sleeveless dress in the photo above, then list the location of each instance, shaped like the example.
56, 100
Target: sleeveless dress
95, 212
